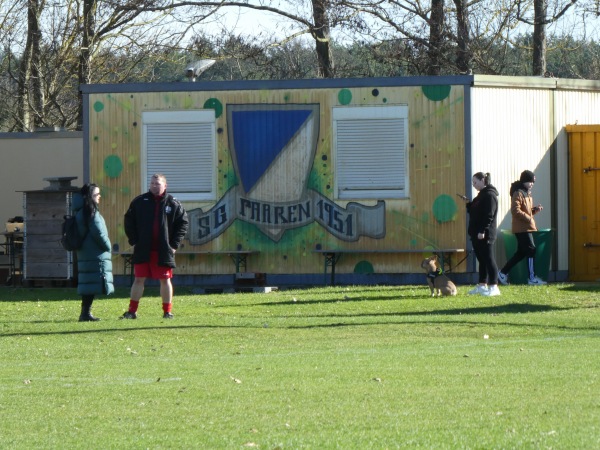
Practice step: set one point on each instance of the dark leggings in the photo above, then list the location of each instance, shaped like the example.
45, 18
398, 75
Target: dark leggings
525, 249
485, 253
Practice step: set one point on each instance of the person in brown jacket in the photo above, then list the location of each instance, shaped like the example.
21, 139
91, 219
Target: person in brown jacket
523, 224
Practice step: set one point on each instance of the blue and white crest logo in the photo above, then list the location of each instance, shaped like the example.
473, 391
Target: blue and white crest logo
273, 146
273, 149
269, 142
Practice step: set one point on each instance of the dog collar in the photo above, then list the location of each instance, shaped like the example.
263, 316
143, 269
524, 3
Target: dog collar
435, 274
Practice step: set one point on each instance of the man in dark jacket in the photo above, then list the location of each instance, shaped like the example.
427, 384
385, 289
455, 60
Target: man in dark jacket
155, 225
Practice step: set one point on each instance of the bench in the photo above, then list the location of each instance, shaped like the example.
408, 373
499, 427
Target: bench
239, 257
332, 256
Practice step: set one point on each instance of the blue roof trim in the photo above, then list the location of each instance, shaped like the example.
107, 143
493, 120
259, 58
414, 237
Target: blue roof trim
238, 85
40, 135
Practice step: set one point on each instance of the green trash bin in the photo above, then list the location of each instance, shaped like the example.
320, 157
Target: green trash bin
543, 243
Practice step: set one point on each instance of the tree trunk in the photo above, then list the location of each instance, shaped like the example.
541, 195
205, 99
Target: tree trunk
322, 35
37, 92
436, 27
87, 41
539, 37
30, 92
463, 52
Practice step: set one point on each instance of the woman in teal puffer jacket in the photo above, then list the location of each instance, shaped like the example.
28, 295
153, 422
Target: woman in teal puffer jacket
94, 263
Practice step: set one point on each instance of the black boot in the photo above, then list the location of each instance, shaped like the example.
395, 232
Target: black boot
88, 318
86, 306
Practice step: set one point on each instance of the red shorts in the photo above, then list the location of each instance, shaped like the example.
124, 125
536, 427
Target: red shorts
151, 269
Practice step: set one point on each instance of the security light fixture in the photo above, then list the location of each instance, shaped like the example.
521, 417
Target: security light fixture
195, 69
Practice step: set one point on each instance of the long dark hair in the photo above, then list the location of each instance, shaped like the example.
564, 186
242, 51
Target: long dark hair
486, 177
89, 205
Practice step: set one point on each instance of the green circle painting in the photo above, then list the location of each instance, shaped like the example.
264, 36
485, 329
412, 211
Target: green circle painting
213, 103
113, 166
436, 93
344, 97
444, 208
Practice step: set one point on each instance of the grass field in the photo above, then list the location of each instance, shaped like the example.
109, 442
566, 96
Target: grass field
342, 367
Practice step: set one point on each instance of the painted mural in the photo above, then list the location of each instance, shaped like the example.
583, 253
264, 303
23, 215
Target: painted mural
276, 175
264, 140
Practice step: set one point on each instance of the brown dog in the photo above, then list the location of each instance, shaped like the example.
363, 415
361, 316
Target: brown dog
439, 283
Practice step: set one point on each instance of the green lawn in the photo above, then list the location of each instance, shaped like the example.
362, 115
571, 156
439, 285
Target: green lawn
342, 367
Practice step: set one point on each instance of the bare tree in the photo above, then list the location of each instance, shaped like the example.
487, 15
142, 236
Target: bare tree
314, 18
88, 32
115, 26
322, 36
29, 80
49, 49
463, 51
436, 37
12, 30
539, 36
72, 42
541, 19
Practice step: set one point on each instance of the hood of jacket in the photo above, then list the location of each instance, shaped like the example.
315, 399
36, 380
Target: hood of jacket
517, 185
76, 202
489, 189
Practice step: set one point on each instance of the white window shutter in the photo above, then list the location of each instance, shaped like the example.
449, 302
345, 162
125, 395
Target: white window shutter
371, 152
182, 146
184, 151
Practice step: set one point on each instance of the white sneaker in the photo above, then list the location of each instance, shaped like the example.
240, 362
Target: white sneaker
535, 281
479, 290
492, 291
503, 279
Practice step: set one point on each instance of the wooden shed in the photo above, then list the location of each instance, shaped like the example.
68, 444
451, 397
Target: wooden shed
360, 176
44, 210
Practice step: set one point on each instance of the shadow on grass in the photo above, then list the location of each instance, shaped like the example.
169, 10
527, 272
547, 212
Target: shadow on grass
344, 296
512, 308
38, 295
582, 287
59, 294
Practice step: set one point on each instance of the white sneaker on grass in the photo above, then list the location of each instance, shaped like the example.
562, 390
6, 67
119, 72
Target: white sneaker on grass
492, 291
503, 279
535, 281
479, 290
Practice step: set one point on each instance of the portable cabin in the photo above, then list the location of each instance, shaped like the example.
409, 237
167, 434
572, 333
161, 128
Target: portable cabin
29, 161
28, 158
292, 179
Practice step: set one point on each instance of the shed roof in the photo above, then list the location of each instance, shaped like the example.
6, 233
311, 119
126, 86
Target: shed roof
525, 82
276, 84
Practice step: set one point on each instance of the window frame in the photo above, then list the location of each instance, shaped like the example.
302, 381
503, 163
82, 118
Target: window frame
358, 118
207, 167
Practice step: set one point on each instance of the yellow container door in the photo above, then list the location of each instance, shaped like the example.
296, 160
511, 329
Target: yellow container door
584, 198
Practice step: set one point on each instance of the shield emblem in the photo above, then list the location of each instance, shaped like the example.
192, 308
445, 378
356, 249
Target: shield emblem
273, 149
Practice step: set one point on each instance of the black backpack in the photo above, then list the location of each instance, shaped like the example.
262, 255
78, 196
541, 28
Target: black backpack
71, 239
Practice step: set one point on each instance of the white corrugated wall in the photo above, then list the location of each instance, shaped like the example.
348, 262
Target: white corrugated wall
514, 127
511, 132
